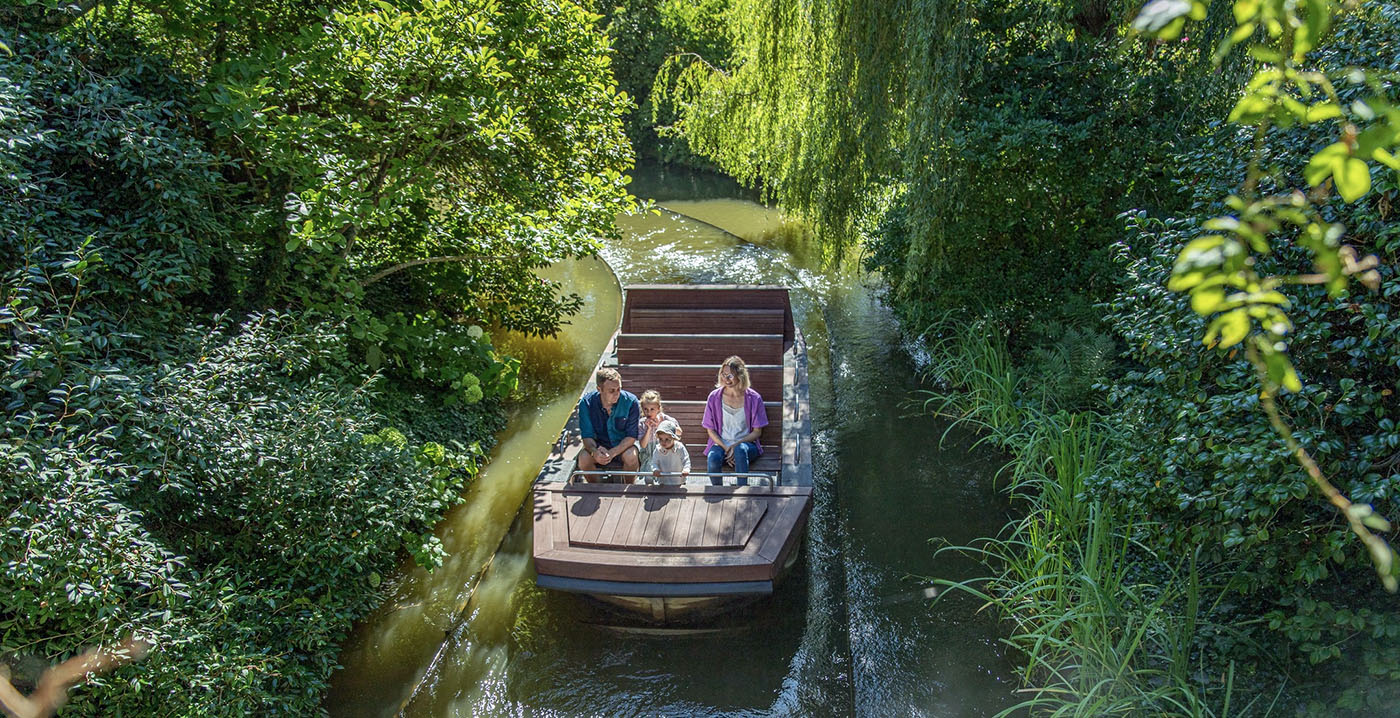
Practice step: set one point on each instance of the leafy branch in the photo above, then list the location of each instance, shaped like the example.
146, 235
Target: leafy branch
1218, 271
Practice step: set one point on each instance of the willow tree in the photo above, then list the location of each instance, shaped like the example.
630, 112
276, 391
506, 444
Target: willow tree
985, 140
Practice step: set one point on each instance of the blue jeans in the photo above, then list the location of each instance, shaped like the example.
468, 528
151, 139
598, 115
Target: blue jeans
744, 452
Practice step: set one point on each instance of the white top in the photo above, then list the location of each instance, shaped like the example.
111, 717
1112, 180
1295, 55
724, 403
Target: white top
736, 424
670, 463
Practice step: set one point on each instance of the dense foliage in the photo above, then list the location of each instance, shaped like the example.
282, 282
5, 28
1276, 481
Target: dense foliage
1049, 127
1204, 457
248, 253
980, 137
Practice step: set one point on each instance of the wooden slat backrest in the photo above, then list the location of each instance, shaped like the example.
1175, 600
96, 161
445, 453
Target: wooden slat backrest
706, 296
688, 382
704, 321
707, 309
698, 349
693, 411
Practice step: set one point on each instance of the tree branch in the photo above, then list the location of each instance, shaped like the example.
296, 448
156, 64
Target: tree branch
1381, 554
52, 691
430, 260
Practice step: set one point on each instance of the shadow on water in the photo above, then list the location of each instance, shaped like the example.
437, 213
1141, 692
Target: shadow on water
853, 634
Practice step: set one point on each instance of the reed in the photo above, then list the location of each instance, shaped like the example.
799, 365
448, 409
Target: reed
1097, 636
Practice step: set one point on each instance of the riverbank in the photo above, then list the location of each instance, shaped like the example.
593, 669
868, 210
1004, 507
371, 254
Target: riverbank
1106, 617
1094, 633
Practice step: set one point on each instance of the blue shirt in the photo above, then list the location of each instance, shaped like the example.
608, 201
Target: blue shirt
609, 429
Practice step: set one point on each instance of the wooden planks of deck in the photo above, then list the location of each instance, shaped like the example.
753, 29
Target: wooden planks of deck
666, 534
662, 521
672, 339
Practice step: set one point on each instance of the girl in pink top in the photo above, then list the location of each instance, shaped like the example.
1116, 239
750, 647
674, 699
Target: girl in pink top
652, 416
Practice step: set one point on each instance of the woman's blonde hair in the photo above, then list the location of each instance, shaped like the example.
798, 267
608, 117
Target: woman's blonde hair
650, 396
740, 370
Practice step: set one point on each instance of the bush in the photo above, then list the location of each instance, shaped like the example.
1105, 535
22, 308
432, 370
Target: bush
222, 488
236, 507
1204, 461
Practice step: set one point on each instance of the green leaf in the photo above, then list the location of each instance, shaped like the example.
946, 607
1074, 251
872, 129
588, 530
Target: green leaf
1185, 280
1386, 159
1228, 329
1322, 164
1322, 111
1245, 10
1251, 108
1206, 300
375, 579
1377, 136
1264, 53
1353, 179
1280, 370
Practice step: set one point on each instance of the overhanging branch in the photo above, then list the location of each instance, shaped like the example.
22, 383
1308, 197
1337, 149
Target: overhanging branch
430, 260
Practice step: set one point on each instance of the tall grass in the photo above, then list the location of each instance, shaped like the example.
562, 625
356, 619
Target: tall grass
1105, 626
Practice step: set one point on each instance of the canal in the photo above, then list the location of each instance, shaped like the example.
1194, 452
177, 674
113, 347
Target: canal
854, 632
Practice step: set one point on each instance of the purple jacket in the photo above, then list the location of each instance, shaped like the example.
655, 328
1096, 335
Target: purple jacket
714, 415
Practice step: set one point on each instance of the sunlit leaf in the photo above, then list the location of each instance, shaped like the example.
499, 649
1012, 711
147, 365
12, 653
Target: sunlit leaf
1251, 108
1206, 300
1323, 111
1353, 179
1322, 164
1280, 370
1228, 329
1245, 10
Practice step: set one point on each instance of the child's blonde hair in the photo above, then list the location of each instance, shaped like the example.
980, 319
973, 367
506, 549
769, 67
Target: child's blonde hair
736, 366
650, 396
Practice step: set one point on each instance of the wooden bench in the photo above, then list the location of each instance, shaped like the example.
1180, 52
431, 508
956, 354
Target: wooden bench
699, 348
692, 382
705, 321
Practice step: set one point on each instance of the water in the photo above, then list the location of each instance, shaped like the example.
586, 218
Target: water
853, 633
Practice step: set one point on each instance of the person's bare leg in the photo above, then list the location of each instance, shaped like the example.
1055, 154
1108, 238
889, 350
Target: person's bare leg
586, 463
630, 462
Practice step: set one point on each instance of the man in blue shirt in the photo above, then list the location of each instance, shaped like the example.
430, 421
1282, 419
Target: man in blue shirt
610, 421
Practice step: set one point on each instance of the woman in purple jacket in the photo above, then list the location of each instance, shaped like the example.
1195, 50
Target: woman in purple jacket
734, 418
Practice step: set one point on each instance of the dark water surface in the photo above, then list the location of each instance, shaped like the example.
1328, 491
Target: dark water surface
851, 633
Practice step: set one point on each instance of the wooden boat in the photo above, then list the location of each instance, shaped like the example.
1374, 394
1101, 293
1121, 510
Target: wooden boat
669, 553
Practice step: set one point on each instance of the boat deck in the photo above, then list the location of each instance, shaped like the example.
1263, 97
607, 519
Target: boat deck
694, 539
666, 534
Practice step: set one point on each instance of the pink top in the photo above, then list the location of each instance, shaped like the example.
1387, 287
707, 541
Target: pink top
714, 414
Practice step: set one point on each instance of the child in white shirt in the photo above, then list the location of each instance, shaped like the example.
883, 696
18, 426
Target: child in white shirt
670, 462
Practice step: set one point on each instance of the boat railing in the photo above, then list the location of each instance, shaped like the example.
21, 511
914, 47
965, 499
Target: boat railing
766, 479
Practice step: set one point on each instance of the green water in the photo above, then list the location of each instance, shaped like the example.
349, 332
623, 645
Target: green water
851, 633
